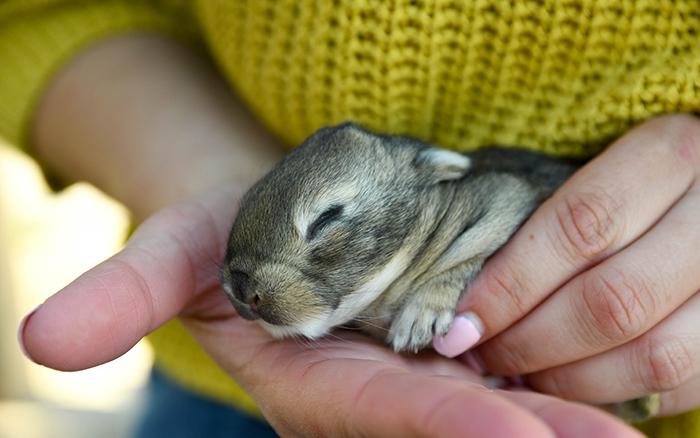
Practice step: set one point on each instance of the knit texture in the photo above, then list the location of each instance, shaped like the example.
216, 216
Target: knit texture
563, 77
678, 426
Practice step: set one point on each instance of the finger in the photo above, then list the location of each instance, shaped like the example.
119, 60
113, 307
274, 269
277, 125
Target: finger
438, 397
664, 359
435, 407
364, 401
683, 399
439, 407
595, 214
106, 311
572, 420
611, 303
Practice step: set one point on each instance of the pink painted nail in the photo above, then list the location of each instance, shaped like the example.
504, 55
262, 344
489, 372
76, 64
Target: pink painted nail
20, 332
465, 332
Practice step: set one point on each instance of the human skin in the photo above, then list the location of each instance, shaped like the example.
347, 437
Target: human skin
154, 126
596, 297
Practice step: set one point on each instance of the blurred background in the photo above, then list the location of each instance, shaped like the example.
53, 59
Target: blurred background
46, 241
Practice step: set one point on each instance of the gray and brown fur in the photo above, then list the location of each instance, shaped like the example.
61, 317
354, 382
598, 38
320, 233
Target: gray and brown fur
381, 232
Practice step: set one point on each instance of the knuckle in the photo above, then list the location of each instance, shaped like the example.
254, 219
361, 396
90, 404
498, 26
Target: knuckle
590, 221
617, 307
505, 286
667, 364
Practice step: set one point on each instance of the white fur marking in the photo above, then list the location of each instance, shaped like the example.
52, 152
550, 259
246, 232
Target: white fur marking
443, 157
357, 301
305, 213
313, 329
353, 304
227, 288
349, 308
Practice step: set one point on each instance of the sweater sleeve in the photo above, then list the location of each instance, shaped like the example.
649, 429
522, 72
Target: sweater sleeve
36, 41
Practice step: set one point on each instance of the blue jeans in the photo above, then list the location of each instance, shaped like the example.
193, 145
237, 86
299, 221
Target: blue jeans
172, 412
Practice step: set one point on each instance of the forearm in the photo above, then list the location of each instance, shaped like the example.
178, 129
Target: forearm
149, 122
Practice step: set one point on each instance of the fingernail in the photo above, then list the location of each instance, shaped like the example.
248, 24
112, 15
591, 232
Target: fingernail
465, 332
20, 333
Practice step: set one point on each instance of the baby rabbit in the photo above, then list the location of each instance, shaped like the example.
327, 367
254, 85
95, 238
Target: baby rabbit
381, 232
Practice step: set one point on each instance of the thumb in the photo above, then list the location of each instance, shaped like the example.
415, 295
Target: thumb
169, 261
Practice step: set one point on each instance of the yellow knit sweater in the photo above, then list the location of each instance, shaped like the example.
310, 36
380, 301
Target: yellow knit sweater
560, 76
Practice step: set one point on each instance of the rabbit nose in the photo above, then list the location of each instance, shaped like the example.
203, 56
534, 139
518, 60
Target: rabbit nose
244, 292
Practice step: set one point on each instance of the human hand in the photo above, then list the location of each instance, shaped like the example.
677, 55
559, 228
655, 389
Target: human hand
112, 118
344, 385
596, 297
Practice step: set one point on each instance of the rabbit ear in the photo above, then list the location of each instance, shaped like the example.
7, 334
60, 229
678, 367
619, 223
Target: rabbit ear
443, 165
